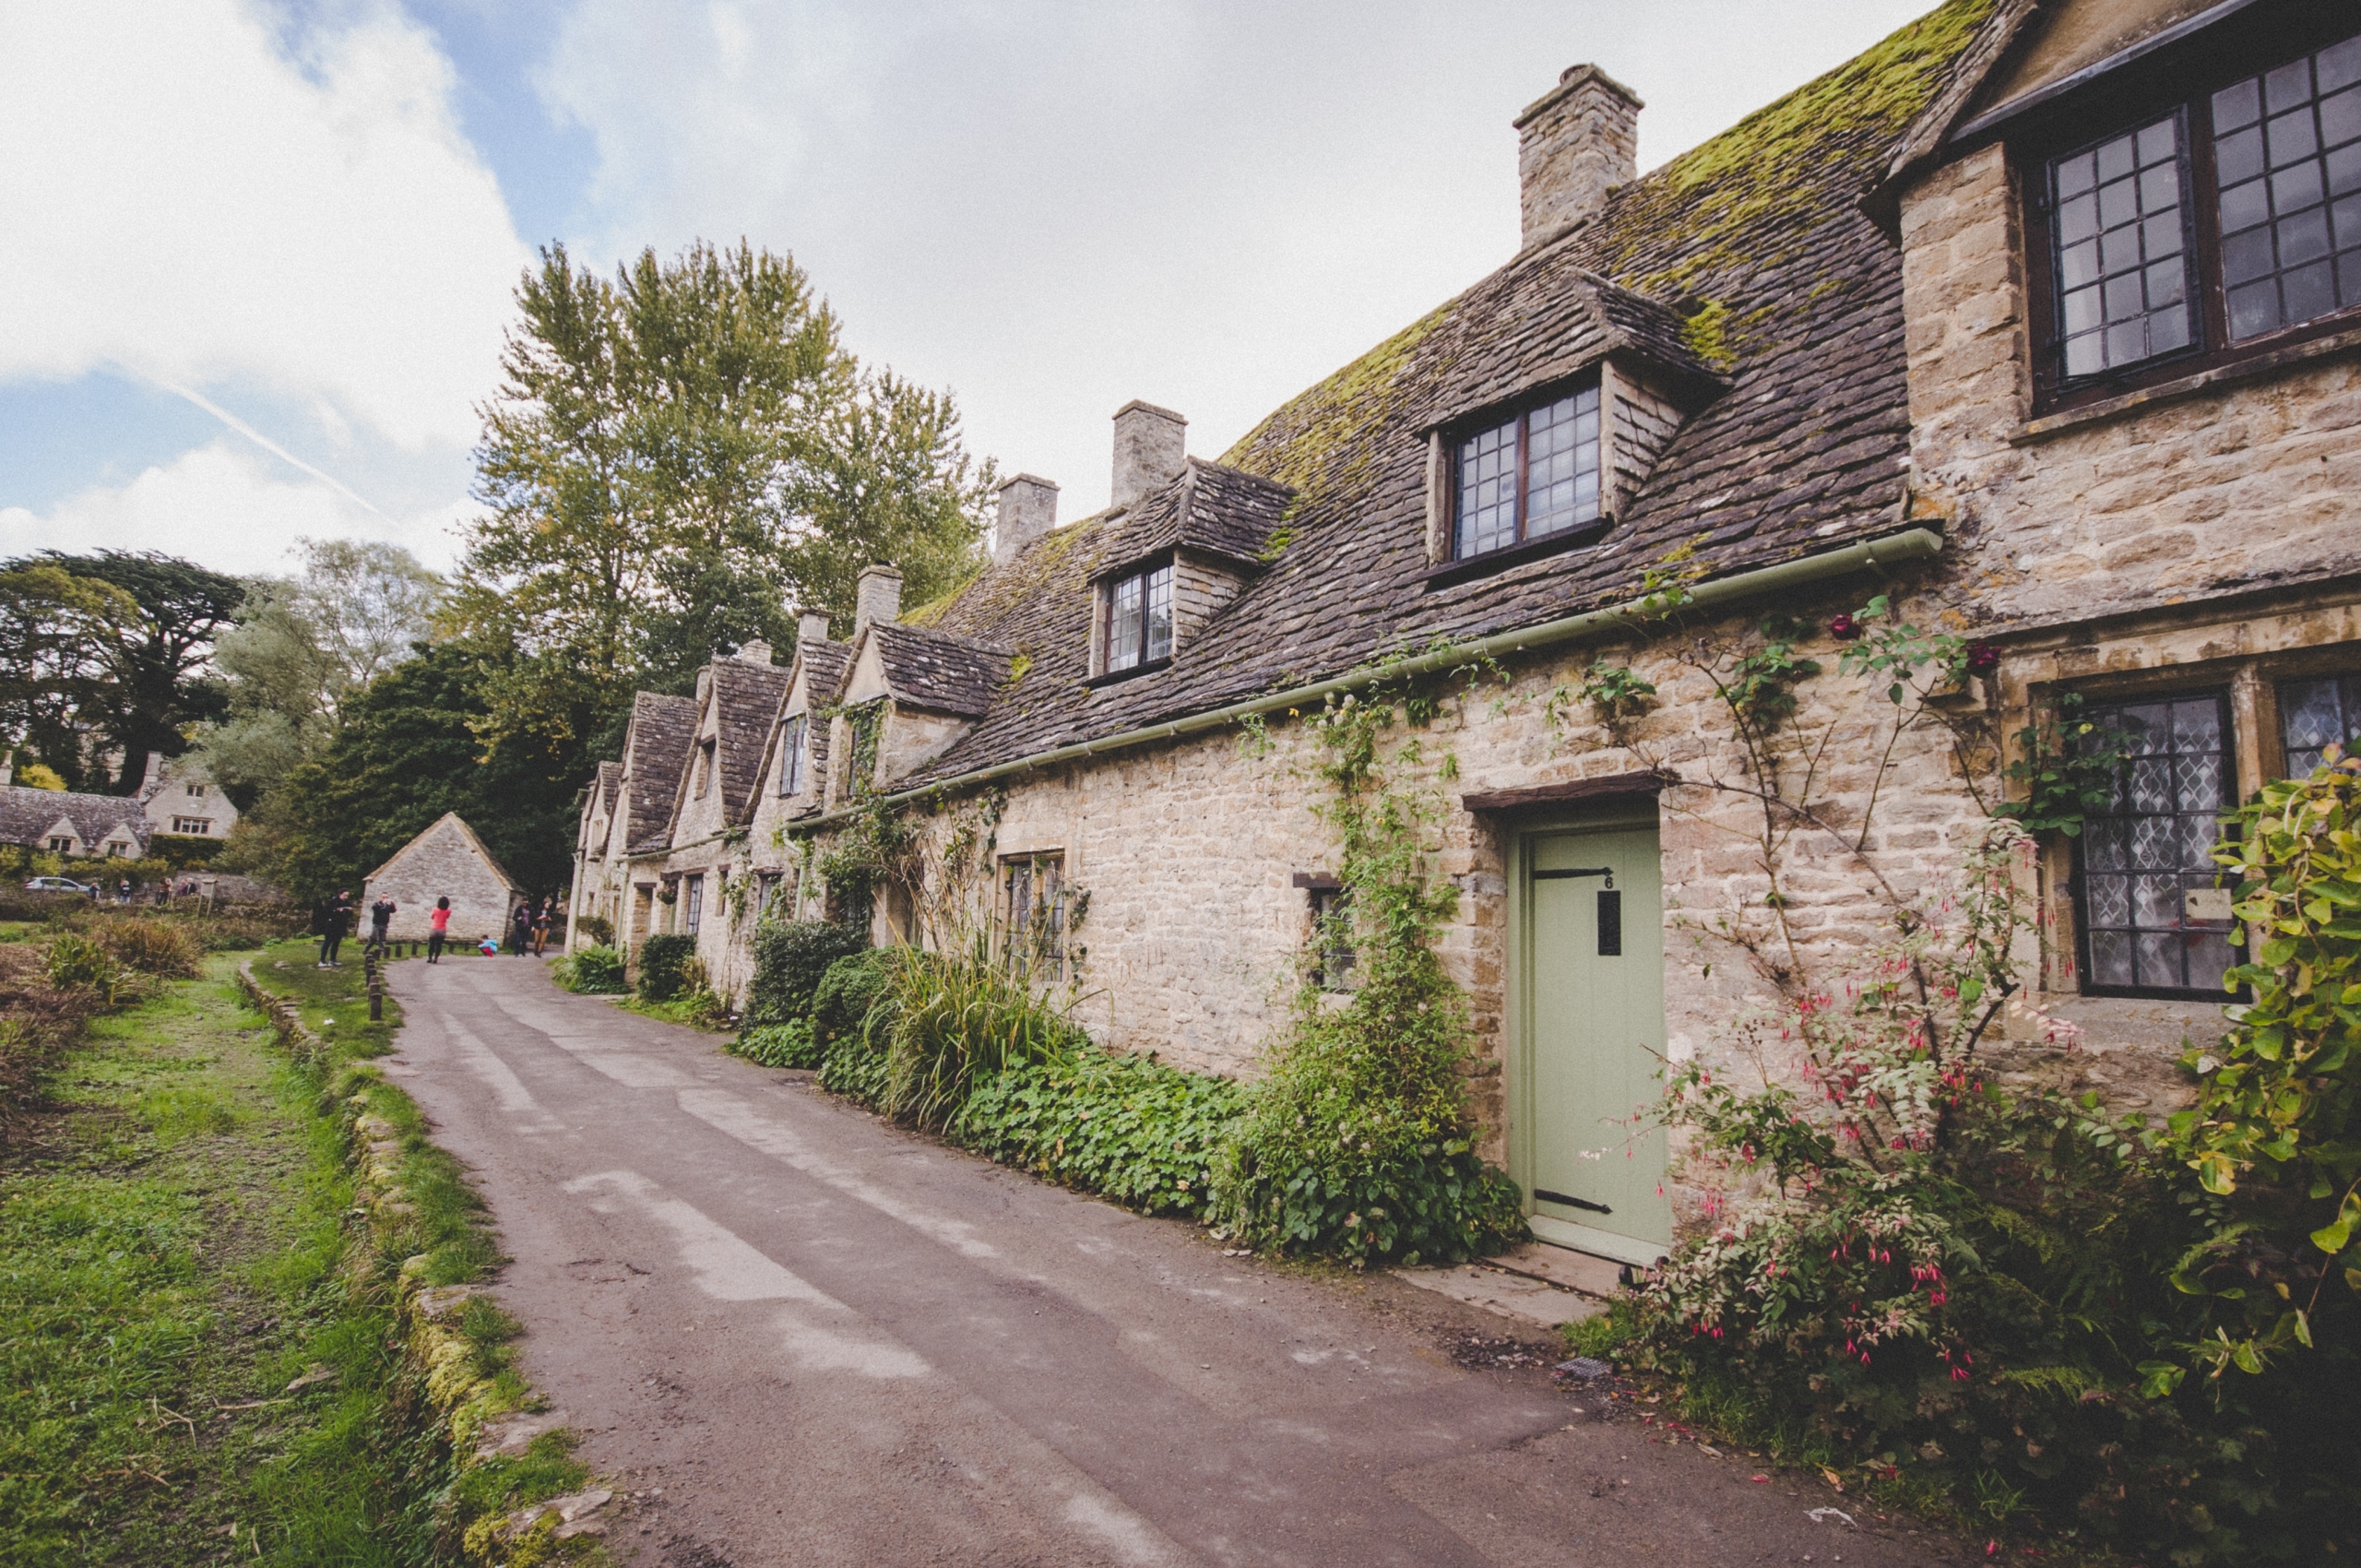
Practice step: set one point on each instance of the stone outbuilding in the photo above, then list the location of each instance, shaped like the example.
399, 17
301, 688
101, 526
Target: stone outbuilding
447, 860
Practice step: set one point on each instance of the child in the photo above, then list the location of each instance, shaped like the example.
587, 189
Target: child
438, 927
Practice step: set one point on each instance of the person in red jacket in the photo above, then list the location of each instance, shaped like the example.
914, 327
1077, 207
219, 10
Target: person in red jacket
438, 927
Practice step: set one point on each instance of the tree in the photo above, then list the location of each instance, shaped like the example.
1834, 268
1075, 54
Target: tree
680, 461
301, 646
404, 750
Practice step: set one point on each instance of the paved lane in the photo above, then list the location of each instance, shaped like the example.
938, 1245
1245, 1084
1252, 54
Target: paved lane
826, 1341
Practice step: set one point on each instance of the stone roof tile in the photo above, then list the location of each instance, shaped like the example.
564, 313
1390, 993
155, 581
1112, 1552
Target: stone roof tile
663, 731
27, 814
746, 699
940, 671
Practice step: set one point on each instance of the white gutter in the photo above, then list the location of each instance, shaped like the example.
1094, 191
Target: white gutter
1875, 555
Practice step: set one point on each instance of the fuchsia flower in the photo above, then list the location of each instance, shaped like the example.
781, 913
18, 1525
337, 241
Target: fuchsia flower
1845, 629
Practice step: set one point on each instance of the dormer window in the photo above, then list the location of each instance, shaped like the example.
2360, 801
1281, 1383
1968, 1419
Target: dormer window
795, 761
1529, 476
1139, 618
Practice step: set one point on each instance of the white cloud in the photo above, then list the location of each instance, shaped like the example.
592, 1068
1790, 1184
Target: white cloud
192, 198
225, 505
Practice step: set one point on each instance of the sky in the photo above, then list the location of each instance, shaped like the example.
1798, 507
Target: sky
256, 259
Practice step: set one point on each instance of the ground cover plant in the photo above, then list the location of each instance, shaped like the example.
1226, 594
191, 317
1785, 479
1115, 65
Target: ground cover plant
592, 971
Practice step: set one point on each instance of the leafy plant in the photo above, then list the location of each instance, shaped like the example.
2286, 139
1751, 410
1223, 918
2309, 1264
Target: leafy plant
792, 1044
2067, 767
790, 959
664, 959
77, 963
846, 993
598, 928
155, 946
957, 1019
1141, 1132
592, 971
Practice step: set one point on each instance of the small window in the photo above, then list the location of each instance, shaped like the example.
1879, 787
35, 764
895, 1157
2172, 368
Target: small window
1139, 618
705, 768
693, 905
1332, 938
1034, 906
2287, 159
2138, 862
765, 888
1528, 476
795, 763
2121, 238
61, 846
2314, 715
196, 791
195, 826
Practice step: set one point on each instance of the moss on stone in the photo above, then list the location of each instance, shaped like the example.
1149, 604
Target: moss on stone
1705, 332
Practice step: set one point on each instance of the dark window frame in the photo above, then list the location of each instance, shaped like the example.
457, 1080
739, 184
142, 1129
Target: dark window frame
1522, 544
1034, 913
706, 750
2349, 704
2184, 79
693, 903
1141, 660
2085, 971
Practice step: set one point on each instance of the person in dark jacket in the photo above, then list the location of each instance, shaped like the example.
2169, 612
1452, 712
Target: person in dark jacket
334, 920
380, 920
522, 920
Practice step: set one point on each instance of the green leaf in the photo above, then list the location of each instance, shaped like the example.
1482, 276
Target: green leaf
2330, 1238
2158, 1380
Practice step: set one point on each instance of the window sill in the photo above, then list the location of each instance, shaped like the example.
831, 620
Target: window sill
2270, 362
1116, 677
1451, 573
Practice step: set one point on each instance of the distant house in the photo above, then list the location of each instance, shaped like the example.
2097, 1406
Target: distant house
70, 823
447, 860
183, 801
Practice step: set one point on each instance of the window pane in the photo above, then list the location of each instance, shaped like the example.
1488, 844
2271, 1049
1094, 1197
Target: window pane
791, 756
1124, 626
1488, 490
2139, 860
2313, 714
1160, 614
1561, 464
2310, 139
2136, 213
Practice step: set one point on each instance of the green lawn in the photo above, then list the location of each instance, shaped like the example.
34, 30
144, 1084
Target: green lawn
185, 1374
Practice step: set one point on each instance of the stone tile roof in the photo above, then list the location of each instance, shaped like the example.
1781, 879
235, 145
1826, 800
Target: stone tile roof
609, 775
27, 814
663, 731
825, 664
940, 671
1207, 507
1796, 302
746, 699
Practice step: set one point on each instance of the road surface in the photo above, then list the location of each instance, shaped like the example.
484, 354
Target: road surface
794, 1334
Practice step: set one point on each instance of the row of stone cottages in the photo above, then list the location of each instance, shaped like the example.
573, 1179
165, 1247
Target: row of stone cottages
2041, 319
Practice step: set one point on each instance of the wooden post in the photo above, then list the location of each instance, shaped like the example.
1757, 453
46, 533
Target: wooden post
376, 995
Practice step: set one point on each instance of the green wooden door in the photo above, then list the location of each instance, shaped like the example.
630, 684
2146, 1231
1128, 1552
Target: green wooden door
1593, 988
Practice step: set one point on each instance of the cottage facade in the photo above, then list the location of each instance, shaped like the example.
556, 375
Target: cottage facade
2039, 323
446, 860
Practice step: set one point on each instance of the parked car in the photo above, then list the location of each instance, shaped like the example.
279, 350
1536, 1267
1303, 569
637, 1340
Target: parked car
60, 885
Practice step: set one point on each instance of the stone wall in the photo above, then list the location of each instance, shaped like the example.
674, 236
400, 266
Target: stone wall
442, 862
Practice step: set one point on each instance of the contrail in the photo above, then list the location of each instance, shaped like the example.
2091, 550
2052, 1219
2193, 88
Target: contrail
267, 445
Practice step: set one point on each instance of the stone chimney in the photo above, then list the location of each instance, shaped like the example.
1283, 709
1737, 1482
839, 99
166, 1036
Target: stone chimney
7, 766
812, 628
879, 599
1573, 144
1151, 446
1028, 508
754, 651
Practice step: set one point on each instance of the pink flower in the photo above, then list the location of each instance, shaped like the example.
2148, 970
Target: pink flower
1845, 629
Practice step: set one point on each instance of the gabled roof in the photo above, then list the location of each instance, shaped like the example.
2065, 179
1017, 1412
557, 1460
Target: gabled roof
474, 844
938, 671
28, 814
609, 775
1795, 299
1219, 511
822, 665
745, 700
663, 731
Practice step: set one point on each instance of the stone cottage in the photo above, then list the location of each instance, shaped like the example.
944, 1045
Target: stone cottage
2037, 323
446, 860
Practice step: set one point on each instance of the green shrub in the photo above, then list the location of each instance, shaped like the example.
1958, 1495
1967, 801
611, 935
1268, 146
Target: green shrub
155, 946
848, 990
663, 966
950, 1020
792, 1044
1357, 1142
598, 928
1143, 1134
593, 971
76, 963
790, 959
856, 1067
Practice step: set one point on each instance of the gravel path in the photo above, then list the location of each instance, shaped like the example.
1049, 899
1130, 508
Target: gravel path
795, 1334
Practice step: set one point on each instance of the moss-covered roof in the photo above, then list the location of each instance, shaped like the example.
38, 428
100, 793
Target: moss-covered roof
1783, 287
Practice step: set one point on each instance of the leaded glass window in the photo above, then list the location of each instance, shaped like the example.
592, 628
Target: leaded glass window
1139, 618
2314, 715
2141, 859
2120, 233
693, 904
794, 760
1529, 476
2287, 160
1034, 906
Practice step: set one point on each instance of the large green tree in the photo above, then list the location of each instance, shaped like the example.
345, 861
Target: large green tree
406, 749
682, 460
108, 654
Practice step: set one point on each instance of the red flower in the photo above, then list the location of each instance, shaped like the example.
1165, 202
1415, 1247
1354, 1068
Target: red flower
1845, 629
1983, 658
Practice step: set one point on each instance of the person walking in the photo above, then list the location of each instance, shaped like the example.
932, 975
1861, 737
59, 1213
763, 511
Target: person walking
541, 919
523, 922
333, 922
380, 920
438, 926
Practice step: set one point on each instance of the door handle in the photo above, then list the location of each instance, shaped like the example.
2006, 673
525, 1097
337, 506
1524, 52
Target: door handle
1607, 872
1546, 1195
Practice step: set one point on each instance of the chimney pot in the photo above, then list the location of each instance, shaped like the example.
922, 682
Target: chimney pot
1028, 508
812, 628
878, 598
1574, 144
1151, 446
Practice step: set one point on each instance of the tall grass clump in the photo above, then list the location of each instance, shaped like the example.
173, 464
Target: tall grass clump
952, 1020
